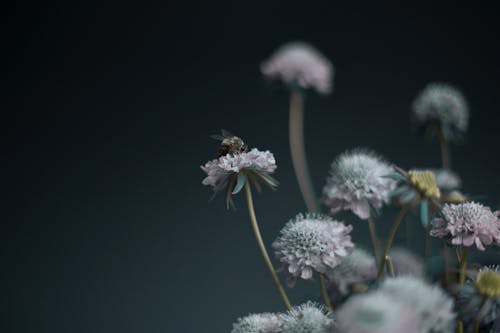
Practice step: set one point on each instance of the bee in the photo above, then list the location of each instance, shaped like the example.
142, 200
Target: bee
230, 144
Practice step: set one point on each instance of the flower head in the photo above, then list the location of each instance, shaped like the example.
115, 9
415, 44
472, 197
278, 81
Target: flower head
307, 318
376, 312
357, 183
310, 243
430, 302
406, 262
357, 268
467, 224
488, 282
258, 323
231, 171
299, 65
447, 180
443, 105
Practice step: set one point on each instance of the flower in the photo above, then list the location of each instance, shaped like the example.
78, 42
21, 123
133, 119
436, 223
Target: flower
307, 318
447, 180
467, 224
231, 171
357, 268
472, 292
258, 323
311, 242
430, 302
299, 65
441, 104
357, 183
376, 312
406, 262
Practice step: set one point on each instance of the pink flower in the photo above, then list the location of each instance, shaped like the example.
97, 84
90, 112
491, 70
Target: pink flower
300, 65
467, 224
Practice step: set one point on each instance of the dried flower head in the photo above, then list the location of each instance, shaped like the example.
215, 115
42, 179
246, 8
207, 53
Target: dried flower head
310, 243
470, 297
258, 323
376, 312
442, 105
299, 65
406, 262
307, 318
425, 183
488, 282
447, 180
231, 171
467, 224
357, 183
357, 268
430, 302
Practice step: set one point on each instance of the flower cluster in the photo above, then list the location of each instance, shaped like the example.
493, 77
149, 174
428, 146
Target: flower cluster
468, 224
357, 183
310, 243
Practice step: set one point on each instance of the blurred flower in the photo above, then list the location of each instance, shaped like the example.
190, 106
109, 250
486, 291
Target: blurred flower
406, 262
430, 302
307, 318
471, 295
443, 105
357, 268
231, 171
357, 183
258, 323
376, 312
447, 180
454, 197
467, 224
299, 65
311, 242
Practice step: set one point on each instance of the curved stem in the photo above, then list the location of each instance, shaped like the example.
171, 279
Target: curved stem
390, 266
296, 132
373, 236
324, 292
445, 154
477, 320
262, 247
388, 243
463, 266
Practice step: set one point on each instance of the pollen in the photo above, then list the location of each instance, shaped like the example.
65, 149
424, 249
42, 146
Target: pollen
425, 183
488, 283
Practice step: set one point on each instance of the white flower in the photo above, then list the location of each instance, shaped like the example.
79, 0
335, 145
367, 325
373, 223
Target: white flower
307, 318
258, 323
406, 262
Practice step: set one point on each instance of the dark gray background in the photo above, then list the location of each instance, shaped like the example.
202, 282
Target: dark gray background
109, 106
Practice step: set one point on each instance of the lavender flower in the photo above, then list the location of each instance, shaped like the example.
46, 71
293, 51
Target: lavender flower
442, 104
307, 318
447, 180
231, 171
299, 65
430, 302
357, 183
406, 262
258, 323
467, 224
376, 312
310, 243
357, 268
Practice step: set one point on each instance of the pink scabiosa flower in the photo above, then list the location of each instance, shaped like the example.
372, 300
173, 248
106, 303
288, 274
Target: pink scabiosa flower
358, 268
376, 312
468, 224
441, 107
299, 65
357, 182
430, 302
307, 318
406, 263
258, 323
232, 170
311, 242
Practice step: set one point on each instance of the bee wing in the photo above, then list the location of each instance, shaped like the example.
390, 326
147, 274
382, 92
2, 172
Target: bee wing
217, 137
226, 133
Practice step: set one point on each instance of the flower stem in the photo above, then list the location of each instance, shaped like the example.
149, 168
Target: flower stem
324, 292
388, 243
463, 266
445, 155
390, 266
373, 236
296, 132
262, 247
477, 320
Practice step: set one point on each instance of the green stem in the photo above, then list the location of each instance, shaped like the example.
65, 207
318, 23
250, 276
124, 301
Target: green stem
477, 320
390, 238
262, 247
463, 266
445, 155
324, 292
296, 132
373, 236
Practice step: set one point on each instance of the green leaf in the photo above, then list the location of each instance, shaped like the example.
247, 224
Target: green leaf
398, 191
408, 196
424, 212
242, 178
395, 176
